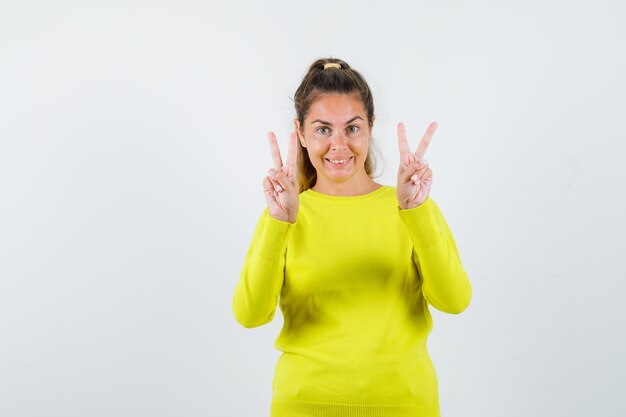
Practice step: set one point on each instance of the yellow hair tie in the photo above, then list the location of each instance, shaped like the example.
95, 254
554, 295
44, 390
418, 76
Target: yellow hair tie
332, 65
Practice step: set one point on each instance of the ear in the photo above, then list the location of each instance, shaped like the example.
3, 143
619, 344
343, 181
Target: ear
299, 134
372, 126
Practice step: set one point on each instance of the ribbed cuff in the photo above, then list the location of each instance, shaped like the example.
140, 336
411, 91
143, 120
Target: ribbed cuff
275, 236
421, 222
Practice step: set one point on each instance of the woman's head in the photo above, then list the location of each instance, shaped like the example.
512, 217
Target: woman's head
340, 127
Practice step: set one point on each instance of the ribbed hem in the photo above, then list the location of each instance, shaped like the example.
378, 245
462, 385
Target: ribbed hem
313, 409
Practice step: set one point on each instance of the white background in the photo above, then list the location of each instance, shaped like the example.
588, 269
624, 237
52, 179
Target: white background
132, 149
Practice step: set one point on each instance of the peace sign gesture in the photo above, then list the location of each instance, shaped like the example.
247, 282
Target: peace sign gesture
281, 184
414, 175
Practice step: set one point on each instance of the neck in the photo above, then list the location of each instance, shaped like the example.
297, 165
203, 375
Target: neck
346, 189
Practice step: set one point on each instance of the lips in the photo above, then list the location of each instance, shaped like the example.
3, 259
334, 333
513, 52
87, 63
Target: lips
339, 161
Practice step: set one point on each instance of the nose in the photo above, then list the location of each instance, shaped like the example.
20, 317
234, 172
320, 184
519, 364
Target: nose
338, 141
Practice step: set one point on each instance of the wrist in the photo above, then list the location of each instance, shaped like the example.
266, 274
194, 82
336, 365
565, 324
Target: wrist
410, 205
284, 217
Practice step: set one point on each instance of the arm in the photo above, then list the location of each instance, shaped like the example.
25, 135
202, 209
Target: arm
445, 283
261, 279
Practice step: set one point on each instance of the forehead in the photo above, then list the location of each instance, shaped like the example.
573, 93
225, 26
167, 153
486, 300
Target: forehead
335, 107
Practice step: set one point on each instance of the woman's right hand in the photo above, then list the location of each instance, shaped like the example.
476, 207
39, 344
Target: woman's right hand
281, 183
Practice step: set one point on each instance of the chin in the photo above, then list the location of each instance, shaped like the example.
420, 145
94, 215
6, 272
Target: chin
340, 176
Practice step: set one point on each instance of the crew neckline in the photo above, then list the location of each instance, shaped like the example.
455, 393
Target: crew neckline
372, 194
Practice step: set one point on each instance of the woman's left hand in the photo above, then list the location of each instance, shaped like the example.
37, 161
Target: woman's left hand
414, 175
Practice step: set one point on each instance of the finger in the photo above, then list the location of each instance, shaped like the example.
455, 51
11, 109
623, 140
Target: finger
426, 175
403, 144
407, 175
292, 151
421, 149
406, 160
278, 161
276, 185
282, 181
272, 175
415, 164
413, 170
405, 170
268, 188
419, 176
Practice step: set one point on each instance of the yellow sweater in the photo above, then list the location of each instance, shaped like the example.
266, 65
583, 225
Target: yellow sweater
355, 276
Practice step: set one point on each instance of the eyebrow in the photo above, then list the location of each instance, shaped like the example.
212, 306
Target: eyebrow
330, 124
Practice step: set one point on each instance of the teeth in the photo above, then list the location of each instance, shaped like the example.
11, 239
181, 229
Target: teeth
337, 161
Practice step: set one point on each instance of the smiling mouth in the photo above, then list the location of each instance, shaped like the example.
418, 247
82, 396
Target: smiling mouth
338, 161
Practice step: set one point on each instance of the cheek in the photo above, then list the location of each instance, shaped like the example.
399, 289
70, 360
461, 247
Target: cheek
315, 154
360, 147
318, 148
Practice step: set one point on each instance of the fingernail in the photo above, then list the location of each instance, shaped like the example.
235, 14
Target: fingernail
278, 188
423, 161
415, 179
270, 173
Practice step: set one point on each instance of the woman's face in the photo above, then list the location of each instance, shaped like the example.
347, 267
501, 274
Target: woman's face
336, 135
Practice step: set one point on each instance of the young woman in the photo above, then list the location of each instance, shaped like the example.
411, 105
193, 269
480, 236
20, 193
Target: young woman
355, 263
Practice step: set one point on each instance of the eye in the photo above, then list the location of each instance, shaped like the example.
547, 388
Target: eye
322, 130
353, 128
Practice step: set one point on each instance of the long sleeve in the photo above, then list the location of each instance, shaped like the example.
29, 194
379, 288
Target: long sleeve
260, 283
445, 283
